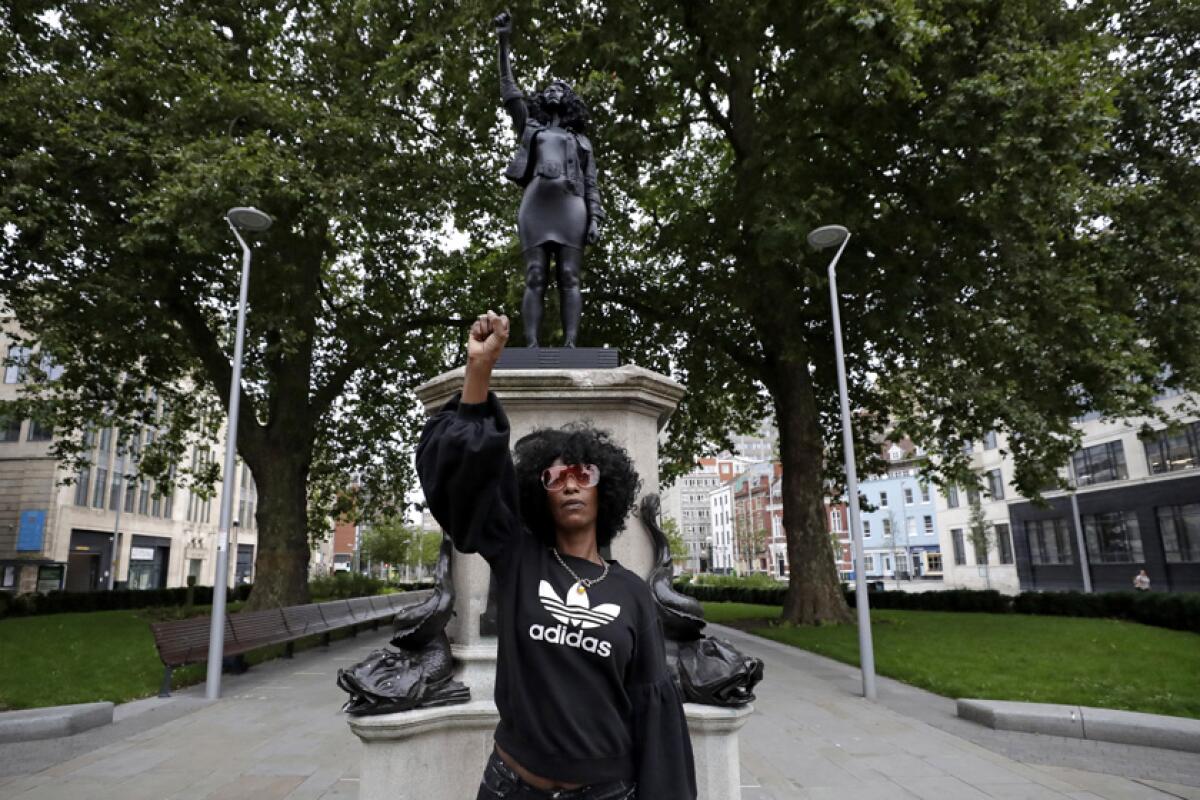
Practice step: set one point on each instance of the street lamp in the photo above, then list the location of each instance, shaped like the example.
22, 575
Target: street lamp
823, 238
253, 220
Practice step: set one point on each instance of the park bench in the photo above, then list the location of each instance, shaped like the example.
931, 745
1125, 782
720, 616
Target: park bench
185, 641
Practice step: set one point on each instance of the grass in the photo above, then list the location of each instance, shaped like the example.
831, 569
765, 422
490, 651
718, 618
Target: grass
57, 659
1091, 662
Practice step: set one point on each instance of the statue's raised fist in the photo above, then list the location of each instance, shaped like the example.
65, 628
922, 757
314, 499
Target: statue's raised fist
503, 23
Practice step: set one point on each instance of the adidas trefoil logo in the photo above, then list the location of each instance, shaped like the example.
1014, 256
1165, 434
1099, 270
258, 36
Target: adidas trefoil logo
577, 610
576, 613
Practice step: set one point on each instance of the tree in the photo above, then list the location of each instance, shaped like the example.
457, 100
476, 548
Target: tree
982, 534
128, 129
392, 542
679, 548
969, 147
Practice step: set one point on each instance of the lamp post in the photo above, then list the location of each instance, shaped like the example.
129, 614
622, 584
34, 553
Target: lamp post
823, 238
239, 219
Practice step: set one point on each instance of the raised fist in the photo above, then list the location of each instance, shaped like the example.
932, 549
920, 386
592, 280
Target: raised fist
503, 23
488, 336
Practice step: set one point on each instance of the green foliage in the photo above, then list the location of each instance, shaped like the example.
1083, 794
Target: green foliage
1101, 663
343, 586
1178, 611
129, 128
679, 550
755, 580
33, 604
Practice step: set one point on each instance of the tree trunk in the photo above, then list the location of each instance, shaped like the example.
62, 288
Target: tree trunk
814, 592
281, 564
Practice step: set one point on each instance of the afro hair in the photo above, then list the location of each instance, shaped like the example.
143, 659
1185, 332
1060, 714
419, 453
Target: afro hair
576, 443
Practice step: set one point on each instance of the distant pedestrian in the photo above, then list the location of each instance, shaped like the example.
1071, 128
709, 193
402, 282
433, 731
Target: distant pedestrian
1141, 581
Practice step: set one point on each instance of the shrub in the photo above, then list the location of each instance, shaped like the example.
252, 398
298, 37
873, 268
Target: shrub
1163, 610
343, 586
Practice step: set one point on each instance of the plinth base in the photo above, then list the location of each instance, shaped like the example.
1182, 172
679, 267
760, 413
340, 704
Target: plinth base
559, 358
440, 753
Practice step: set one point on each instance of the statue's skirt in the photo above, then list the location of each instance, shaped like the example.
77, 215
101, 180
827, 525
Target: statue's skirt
551, 212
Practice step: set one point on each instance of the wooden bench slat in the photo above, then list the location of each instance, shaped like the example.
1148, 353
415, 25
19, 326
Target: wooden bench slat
185, 641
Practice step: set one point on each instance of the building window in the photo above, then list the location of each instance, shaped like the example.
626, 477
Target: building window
952, 496
866, 527
908, 495
989, 440
39, 432
972, 496
887, 527
105, 439
130, 491
995, 484
82, 482
835, 519
101, 485
10, 429
868, 563
1113, 538
1048, 542
928, 525
910, 527
1179, 527
883, 500
1004, 543
17, 364
895, 453
933, 563
1099, 464
960, 550
1168, 451
924, 492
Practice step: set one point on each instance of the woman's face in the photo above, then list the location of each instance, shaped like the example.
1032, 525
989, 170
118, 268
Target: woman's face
573, 507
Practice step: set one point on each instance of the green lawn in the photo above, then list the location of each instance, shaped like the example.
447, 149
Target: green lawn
1090, 662
56, 659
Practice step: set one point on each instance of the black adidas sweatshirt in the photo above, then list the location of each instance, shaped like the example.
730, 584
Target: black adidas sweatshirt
581, 681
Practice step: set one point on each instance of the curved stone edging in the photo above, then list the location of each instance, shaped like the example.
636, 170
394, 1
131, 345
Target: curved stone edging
1082, 722
53, 721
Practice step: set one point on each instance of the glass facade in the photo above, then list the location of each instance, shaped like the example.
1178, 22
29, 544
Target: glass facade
1179, 527
1169, 451
1049, 541
1100, 464
1113, 538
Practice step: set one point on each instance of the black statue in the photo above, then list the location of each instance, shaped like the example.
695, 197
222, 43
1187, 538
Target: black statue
708, 670
419, 674
560, 209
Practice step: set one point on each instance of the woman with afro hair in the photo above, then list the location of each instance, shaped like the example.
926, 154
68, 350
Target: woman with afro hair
587, 708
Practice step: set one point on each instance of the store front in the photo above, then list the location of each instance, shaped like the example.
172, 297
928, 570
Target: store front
148, 560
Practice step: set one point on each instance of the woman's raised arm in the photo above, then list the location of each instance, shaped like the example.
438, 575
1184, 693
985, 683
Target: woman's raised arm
510, 93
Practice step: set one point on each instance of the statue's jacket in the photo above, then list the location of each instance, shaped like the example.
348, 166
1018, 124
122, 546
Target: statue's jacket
580, 173
581, 680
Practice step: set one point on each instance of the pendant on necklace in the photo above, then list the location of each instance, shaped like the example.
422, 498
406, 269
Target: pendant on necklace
581, 590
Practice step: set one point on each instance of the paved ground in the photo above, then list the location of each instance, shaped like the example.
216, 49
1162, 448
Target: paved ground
278, 734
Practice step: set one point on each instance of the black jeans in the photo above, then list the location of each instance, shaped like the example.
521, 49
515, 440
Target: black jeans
501, 783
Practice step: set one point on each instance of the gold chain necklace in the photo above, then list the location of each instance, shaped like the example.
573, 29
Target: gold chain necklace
584, 583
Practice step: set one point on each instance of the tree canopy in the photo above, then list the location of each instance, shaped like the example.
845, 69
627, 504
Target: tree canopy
1019, 178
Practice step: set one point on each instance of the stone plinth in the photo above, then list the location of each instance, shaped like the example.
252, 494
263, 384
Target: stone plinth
427, 754
714, 732
439, 753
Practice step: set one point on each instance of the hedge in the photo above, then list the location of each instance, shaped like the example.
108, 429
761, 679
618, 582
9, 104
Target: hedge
339, 587
24, 605
1178, 611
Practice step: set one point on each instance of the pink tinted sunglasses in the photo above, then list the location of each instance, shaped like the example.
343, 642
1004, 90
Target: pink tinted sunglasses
585, 475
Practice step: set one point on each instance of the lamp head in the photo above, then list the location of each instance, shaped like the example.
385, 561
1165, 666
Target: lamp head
827, 236
248, 218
